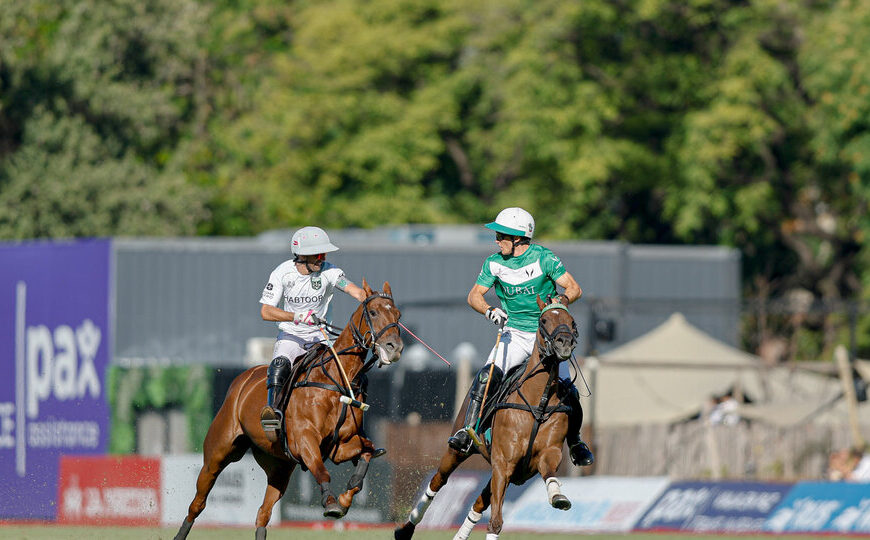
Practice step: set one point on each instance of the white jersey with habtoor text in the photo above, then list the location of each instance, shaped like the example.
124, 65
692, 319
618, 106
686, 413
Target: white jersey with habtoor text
296, 292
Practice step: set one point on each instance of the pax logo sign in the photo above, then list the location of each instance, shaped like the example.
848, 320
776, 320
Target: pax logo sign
54, 341
60, 363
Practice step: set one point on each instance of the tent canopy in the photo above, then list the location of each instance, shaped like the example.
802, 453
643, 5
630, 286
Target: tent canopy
672, 372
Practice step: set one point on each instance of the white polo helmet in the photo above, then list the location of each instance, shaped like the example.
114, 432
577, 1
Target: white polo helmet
513, 221
311, 241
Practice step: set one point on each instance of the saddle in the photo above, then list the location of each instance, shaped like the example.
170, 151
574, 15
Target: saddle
510, 384
302, 366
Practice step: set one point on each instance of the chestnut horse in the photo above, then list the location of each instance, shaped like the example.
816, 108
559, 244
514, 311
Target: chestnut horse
528, 430
317, 425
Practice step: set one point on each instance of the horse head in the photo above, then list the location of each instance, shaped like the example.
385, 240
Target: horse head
557, 331
377, 319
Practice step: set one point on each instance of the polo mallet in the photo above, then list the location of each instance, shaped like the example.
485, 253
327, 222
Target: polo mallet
424, 343
472, 432
347, 400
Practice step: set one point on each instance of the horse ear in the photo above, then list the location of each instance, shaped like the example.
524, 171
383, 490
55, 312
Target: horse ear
541, 303
387, 289
366, 288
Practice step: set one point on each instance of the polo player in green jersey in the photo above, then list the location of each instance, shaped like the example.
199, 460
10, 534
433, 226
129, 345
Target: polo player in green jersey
520, 272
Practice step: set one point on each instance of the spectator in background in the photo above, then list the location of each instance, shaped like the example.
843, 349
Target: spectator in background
851, 464
724, 410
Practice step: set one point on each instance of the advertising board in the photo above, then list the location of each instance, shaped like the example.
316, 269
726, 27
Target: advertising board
823, 507
599, 503
709, 507
234, 500
54, 352
109, 490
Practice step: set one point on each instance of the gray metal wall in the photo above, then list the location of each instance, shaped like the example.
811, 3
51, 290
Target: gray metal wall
196, 300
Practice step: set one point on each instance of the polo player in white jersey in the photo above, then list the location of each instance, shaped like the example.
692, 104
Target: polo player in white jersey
304, 287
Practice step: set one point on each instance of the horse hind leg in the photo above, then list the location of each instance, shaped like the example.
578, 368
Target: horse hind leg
449, 462
474, 515
216, 456
277, 477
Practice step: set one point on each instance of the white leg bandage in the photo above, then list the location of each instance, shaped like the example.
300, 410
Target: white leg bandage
553, 486
470, 521
491, 536
422, 505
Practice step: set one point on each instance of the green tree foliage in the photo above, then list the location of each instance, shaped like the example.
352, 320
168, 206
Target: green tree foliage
95, 100
660, 121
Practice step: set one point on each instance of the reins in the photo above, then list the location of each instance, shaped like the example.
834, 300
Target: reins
546, 362
360, 341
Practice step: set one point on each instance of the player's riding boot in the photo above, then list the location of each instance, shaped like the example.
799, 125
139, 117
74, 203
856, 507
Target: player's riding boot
461, 440
271, 417
581, 455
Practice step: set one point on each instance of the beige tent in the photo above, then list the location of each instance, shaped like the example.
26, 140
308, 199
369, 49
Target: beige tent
672, 372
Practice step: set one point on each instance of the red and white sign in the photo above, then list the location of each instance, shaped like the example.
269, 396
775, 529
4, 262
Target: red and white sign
109, 490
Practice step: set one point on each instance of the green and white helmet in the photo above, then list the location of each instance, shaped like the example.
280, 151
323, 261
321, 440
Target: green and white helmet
311, 241
513, 221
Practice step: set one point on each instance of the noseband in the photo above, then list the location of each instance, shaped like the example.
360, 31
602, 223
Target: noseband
362, 338
547, 348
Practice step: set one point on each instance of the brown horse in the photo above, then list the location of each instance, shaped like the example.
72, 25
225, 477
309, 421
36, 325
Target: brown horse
317, 425
528, 430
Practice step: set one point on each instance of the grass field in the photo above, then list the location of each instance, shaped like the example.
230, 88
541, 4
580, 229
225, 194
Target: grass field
46, 532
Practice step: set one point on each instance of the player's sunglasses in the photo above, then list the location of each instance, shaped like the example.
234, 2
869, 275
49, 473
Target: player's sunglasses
320, 257
501, 236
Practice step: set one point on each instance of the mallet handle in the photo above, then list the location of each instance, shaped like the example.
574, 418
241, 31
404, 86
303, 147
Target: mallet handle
352, 399
486, 388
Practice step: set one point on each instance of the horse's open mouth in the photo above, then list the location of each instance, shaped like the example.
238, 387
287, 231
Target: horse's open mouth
386, 358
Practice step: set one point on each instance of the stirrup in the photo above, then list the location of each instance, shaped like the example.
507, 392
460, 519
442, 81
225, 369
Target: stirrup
460, 441
271, 421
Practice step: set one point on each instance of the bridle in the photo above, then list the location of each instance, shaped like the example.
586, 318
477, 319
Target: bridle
547, 348
367, 339
361, 338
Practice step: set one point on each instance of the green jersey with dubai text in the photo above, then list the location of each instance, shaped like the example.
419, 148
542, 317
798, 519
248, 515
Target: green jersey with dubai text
519, 280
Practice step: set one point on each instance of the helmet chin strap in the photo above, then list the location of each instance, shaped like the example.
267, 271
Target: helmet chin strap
307, 265
519, 240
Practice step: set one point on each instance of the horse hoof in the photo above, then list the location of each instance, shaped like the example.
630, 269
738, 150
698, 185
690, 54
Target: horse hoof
405, 532
560, 502
333, 511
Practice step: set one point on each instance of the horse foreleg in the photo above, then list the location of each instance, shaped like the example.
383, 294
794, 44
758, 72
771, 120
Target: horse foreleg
355, 483
481, 504
449, 462
309, 452
498, 486
548, 462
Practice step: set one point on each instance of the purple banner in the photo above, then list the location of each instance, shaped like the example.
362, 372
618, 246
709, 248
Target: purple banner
54, 354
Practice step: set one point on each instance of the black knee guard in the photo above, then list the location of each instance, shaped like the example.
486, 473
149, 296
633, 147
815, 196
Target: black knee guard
461, 441
276, 377
575, 417
478, 387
